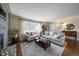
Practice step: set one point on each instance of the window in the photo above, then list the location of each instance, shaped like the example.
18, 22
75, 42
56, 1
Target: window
32, 26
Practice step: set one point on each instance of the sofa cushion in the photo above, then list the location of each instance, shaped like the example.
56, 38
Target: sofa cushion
29, 33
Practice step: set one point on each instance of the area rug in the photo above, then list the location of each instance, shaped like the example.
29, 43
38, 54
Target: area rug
32, 49
9, 51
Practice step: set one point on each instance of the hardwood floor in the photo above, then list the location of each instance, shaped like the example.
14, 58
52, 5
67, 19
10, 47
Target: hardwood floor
18, 49
72, 48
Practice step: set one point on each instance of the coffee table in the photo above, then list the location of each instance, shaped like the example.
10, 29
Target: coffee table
43, 44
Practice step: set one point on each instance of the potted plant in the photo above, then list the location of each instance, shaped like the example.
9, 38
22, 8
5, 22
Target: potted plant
13, 32
13, 35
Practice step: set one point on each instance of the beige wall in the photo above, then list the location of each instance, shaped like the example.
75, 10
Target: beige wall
14, 22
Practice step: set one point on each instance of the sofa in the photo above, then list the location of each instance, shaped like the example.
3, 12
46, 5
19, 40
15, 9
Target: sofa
56, 37
30, 36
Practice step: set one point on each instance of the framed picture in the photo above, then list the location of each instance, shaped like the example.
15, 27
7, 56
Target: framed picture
70, 26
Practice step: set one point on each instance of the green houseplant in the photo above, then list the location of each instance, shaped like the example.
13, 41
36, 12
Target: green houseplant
13, 32
13, 36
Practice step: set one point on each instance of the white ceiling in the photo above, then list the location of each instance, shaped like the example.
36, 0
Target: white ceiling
45, 11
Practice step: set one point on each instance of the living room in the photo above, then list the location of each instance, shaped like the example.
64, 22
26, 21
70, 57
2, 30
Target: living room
40, 29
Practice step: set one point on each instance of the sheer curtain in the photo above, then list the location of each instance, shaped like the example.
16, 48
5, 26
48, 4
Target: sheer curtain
32, 26
21, 29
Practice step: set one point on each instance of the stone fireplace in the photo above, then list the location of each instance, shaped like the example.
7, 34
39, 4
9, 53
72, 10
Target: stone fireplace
3, 32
